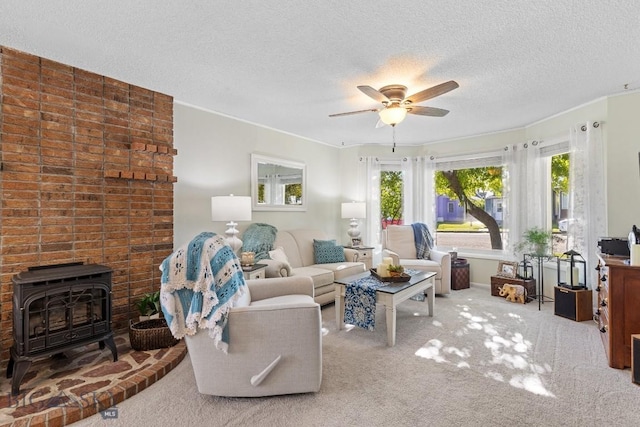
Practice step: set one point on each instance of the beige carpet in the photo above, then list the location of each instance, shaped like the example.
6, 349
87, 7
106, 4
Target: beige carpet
481, 361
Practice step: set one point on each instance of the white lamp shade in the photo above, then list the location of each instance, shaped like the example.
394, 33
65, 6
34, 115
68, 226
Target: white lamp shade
392, 115
354, 210
231, 208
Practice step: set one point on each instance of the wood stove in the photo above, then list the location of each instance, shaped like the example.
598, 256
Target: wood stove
56, 308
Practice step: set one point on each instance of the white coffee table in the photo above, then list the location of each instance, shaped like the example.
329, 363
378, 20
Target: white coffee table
390, 296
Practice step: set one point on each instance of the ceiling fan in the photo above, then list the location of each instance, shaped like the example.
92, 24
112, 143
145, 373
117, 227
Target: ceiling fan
396, 104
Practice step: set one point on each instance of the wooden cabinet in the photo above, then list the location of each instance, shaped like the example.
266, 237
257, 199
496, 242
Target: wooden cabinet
617, 310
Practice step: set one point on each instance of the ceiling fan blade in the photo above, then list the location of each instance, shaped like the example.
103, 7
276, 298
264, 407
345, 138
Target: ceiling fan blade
432, 92
373, 93
427, 111
371, 110
380, 124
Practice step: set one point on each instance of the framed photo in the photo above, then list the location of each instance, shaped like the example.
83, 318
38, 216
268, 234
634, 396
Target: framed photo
507, 269
356, 242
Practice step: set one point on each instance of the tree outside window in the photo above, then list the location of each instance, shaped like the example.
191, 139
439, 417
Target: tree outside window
390, 198
479, 191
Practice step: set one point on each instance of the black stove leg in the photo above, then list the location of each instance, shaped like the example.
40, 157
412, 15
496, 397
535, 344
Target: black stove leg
112, 346
20, 368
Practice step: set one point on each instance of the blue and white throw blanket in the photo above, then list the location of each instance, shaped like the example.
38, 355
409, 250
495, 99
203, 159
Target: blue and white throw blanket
423, 240
200, 282
360, 301
258, 238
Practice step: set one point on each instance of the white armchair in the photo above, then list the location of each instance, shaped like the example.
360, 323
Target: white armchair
399, 244
275, 344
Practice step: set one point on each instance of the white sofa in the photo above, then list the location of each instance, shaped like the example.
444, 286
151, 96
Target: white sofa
399, 244
298, 247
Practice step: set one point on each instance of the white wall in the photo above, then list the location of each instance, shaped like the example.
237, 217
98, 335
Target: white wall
623, 171
214, 158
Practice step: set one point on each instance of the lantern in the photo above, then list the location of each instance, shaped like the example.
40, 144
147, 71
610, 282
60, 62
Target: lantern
525, 269
572, 268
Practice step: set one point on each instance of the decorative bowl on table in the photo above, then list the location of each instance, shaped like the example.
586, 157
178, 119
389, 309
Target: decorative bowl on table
400, 277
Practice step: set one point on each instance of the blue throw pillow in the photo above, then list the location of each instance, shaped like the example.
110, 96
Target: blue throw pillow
326, 251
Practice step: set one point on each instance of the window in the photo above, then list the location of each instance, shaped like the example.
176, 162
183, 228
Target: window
477, 192
391, 184
560, 221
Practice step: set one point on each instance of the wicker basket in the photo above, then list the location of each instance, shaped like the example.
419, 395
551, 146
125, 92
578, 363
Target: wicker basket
150, 335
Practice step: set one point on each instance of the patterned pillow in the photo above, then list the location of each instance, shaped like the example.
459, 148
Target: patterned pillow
326, 251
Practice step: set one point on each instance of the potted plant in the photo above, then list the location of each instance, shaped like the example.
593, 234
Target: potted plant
149, 306
535, 241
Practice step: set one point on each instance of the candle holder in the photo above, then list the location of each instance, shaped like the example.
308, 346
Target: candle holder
525, 269
247, 259
573, 267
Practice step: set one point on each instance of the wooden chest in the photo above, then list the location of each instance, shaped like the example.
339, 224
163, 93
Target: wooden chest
498, 281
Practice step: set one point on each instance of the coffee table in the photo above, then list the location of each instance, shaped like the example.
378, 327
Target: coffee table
390, 296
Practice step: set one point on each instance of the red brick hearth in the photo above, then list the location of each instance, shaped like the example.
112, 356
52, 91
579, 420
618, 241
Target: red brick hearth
83, 382
86, 175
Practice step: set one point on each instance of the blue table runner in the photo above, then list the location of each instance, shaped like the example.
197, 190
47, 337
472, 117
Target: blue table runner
360, 301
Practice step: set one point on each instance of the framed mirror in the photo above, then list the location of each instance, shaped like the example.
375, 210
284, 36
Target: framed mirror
277, 184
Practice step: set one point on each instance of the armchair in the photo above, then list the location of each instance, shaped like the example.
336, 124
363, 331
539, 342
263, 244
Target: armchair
399, 244
275, 343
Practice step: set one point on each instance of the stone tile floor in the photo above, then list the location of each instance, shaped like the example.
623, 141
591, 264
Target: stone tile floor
81, 382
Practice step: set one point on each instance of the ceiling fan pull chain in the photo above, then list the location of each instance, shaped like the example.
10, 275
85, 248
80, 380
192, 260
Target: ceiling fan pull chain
393, 150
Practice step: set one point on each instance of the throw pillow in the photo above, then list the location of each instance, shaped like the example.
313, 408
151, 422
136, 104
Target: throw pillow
279, 255
326, 251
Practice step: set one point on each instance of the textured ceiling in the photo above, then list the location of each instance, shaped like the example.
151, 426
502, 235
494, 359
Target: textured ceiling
289, 64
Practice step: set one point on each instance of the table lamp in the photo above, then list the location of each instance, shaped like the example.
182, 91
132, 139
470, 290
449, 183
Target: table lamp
354, 211
231, 208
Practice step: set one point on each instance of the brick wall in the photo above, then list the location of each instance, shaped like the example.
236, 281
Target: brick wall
87, 175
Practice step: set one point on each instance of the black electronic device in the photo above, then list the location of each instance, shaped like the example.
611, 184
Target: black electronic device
614, 246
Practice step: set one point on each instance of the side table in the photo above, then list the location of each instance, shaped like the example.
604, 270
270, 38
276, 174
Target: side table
255, 271
365, 254
540, 259
459, 274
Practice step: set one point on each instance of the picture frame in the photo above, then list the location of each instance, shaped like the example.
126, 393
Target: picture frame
356, 242
507, 269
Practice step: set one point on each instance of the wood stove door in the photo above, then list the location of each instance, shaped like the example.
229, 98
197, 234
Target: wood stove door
65, 315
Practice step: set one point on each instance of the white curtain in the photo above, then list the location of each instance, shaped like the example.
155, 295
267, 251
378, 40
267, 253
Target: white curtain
588, 193
526, 191
369, 189
430, 193
414, 203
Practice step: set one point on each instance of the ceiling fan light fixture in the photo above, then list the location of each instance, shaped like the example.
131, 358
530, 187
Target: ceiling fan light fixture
392, 115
